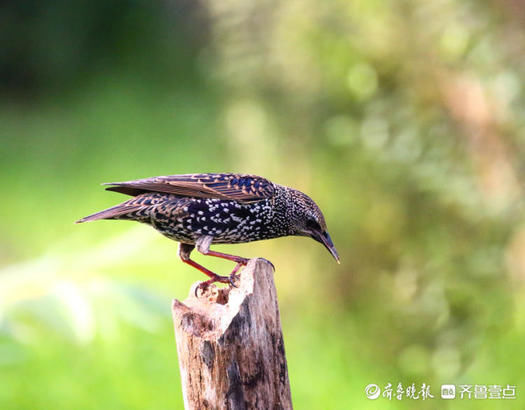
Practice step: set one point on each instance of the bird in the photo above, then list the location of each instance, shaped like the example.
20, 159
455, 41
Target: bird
198, 210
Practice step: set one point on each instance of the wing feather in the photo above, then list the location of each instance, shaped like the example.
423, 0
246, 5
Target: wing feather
239, 187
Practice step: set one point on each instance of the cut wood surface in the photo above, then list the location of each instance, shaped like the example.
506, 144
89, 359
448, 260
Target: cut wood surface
230, 345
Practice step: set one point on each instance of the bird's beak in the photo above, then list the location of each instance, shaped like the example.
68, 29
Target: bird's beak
325, 239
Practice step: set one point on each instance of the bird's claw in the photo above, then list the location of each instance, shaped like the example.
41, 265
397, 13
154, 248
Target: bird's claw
234, 278
233, 275
268, 261
231, 280
203, 286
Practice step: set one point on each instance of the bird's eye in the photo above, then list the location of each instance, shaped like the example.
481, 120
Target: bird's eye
313, 225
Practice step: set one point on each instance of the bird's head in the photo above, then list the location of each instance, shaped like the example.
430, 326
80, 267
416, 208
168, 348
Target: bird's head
308, 220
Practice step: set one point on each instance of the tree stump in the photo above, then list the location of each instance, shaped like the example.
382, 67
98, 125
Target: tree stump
230, 345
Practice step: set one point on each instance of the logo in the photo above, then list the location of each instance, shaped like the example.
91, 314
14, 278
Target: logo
448, 391
372, 391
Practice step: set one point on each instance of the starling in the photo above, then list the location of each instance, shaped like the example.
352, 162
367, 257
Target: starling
198, 210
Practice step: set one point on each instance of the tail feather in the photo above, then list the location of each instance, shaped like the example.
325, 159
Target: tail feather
115, 212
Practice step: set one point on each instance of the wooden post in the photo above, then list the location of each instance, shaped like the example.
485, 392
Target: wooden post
230, 345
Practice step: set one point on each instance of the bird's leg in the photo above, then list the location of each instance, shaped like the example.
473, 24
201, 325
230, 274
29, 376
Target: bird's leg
240, 262
184, 253
203, 246
239, 259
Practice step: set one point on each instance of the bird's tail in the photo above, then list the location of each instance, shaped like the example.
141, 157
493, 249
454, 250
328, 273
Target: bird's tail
125, 210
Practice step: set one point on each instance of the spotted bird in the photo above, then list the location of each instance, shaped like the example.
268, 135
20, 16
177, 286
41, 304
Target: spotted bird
198, 210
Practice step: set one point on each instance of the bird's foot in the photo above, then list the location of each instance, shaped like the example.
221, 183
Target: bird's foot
232, 280
203, 286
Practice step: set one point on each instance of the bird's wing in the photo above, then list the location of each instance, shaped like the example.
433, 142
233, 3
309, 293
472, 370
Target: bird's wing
239, 187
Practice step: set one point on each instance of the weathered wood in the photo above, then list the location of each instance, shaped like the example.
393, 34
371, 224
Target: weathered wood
230, 345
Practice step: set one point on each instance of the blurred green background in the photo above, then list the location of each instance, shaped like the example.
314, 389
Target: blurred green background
402, 119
